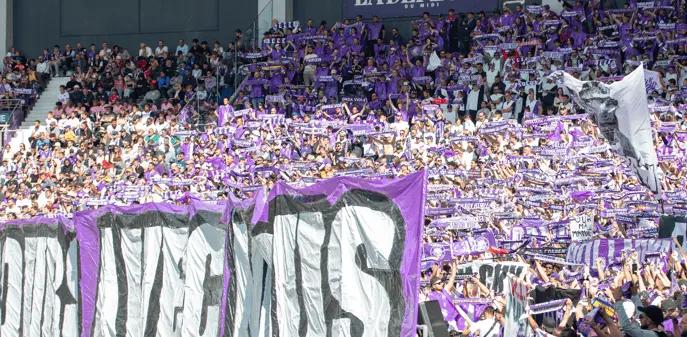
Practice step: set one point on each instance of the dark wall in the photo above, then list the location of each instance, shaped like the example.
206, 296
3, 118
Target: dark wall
42, 23
318, 10
332, 11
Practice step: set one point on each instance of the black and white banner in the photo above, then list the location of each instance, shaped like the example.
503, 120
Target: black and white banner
40, 289
493, 274
155, 270
309, 263
339, 258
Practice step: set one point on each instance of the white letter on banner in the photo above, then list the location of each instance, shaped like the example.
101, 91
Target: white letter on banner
261, 293
242, 278
132, 249
36, 281
162, 286
298, 280
358, 292
151, 258
362, 2
204, 268
55, 272
174, 242
13, 261
30, 246
48, 259
70, 327
108, 289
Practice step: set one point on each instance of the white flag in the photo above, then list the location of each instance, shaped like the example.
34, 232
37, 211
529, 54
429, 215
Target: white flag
622, 114
434, 61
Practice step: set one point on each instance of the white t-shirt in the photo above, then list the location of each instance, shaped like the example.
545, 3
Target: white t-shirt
50, 120
161, 50
491, 75
484, 327
473, 99
63, 97
145, 52
505, 105
466, 158
468, 125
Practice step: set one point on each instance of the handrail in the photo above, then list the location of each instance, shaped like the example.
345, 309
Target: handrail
12, 104
13, 122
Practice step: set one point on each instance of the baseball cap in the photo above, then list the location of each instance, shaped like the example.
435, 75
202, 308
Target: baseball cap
653, 312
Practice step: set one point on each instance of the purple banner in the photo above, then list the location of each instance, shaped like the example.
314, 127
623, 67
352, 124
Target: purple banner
144, 267
370, 231
611, 251
226, 268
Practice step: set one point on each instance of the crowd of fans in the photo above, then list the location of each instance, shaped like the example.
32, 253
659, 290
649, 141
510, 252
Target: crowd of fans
21, 79
464, 96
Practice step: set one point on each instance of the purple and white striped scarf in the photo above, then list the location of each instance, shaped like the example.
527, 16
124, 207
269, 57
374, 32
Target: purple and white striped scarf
611, 249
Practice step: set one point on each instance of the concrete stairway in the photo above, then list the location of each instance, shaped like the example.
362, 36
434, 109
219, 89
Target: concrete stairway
44, 104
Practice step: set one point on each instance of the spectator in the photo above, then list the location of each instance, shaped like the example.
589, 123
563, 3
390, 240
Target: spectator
161, 50
144, 50
182, 48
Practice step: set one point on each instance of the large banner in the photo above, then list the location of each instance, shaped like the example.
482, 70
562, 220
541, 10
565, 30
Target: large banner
339, 258
517, 293
404, 8
152, 270
39, 273
621, 113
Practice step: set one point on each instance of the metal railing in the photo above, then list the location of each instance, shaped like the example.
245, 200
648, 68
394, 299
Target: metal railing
13, 109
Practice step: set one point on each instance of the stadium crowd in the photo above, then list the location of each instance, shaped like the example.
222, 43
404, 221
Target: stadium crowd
509, 154
20, 79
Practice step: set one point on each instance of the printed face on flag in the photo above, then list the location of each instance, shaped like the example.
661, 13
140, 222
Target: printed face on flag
596, 97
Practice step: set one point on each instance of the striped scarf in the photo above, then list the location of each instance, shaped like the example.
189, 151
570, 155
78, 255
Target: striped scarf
440, 125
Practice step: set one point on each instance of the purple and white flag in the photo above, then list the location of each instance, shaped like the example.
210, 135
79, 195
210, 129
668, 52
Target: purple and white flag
611, 250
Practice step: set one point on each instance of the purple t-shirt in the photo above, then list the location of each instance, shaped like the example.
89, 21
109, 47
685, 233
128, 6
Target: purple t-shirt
373, 30
223, 114
257, 87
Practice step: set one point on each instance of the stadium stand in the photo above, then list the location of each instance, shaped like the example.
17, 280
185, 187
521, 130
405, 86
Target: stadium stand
468, 97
